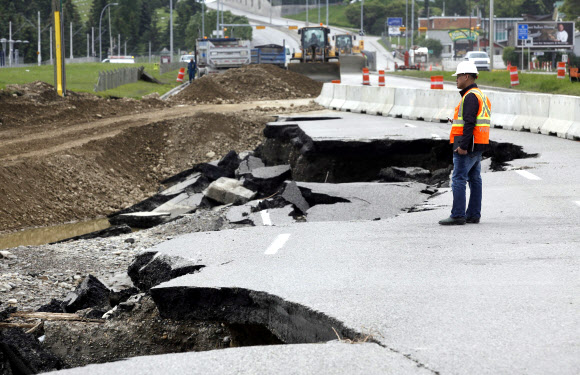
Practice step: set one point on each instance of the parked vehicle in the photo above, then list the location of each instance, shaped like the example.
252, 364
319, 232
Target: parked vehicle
219, 54
480, 59
270, 54
119, 60
186, 58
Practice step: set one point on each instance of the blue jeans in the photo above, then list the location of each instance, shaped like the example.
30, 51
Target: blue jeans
466, 168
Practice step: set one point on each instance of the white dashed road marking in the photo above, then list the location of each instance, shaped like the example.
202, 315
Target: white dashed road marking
278, 243
265, 217
577, 202
411, 125
528, 175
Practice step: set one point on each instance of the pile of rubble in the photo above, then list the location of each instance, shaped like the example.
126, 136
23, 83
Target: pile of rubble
249, 83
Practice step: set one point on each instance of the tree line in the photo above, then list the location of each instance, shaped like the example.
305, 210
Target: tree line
137, 21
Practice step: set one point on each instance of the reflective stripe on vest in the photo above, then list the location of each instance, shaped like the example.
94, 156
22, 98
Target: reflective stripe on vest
482, 122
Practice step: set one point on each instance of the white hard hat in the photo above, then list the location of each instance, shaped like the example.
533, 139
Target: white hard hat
466, 67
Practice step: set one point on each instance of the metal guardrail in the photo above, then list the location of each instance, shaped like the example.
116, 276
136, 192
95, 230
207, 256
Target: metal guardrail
111, 79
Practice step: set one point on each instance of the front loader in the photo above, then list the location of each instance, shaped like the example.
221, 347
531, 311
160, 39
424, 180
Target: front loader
350, 55
317, 58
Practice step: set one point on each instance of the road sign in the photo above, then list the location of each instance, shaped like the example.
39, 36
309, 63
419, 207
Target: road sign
293, 27
260, 27
522, 31
402, 28
422, 29
394, 21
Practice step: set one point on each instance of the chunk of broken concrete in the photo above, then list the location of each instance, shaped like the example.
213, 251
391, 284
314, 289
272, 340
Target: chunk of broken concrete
141, 219
182, 204
230, 163
267, 180
293, 195
90, 293
240, 215
400, 174
248, 165
228, 191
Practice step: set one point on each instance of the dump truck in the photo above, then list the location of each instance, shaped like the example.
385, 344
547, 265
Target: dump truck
317, 57
270, 54
349, 54
216, 55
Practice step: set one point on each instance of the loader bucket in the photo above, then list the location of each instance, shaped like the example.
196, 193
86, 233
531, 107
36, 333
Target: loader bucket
352, 64
321, 72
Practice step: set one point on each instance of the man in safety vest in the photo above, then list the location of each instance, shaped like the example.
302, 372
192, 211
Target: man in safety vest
470, 138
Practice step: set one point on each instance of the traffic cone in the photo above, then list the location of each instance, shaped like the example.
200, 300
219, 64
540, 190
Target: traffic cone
180, 75
509, 66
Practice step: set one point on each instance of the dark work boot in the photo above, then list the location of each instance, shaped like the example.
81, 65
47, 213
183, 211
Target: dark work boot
453, 221
472, 220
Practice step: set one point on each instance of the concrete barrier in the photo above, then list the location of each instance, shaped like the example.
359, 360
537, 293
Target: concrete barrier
326, 95
533, 112
504, 109
574, 131
405, 102
539, 113
561, 115
435, 105
338, 97
378, 100
353, 99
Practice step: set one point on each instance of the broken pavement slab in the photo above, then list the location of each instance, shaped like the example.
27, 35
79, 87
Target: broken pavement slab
249, 164
364, 201
141, 219
228, 191
267, 180
339, 358
293, 195
182, 204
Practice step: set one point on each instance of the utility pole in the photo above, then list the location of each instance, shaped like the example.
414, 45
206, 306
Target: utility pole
149, 52
88, 45
119, 43
491, 35
10, 44
362, 27
306, 13
406, 25
319, 12
326, 13
217, 20
202, 19
71, 41
39, 49
110, 34
93, 38
170, 31
412, 24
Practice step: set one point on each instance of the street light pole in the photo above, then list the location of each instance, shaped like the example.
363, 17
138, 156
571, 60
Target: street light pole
406, 25
100, 34
39, 56
491, 35
170, 30
327, 13
307, 13
362, 29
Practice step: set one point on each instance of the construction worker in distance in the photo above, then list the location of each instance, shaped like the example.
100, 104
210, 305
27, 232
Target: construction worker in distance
470, 139
191, 69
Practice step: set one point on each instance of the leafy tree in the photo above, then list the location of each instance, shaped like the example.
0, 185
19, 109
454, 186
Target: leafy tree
508, 8
534, 7
571, 8
432, 44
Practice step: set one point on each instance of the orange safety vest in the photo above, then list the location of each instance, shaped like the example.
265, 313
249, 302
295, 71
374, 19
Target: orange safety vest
481, 131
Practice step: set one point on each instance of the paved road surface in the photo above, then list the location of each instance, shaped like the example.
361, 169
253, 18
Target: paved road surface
500, 297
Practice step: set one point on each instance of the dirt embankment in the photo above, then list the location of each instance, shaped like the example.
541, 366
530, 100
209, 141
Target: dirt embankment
252, 82
81, 157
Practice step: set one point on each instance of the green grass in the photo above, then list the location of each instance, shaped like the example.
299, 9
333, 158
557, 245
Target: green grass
83, 77
336, 16
541, 83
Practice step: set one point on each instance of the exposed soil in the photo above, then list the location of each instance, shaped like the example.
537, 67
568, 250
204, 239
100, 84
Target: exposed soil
81, 157
251, 82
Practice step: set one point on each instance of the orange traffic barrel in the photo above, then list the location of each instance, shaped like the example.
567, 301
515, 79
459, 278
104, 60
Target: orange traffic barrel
436, 82
381, 78
366, 79
561, 70
514, 80
180, 75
